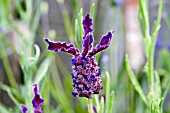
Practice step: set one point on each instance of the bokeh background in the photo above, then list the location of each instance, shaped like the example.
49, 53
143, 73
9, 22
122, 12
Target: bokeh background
24, 58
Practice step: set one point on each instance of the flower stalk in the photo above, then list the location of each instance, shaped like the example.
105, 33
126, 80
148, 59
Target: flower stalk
90, 108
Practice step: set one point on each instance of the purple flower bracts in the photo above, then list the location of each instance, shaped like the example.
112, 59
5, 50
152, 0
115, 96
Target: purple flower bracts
87, 44
87, 23
62, 46
104, 43
24, 108
86, 74
37, 101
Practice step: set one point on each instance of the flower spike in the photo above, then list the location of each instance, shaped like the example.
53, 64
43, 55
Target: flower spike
87, 43
24, 108
87, 23
104, 43
86, 75
62, 46
37, 101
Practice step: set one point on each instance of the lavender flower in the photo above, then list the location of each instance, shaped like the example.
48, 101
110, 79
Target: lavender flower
86, 74
36, 102
24, 108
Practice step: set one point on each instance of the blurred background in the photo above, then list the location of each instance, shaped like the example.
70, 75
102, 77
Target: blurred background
24, 58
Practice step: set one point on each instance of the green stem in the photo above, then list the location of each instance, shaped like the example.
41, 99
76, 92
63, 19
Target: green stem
7, 66
167, 89
135, 82
156, 28
90, 109
150, 69
131, 98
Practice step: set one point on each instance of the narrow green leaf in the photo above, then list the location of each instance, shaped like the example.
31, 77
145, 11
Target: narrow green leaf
107, 91
98, 56
7, 65
13, 90
112, 94
156, 105
42, 70
19, 9
144, 13
37, 51
166, 89
66, 18
81, 26
57, 110
3, 109
61, 100
101, 110
76, 31
157, 85
36, 18
96, 99
13, 98
92, 11
160, 11
46, 94
135, 82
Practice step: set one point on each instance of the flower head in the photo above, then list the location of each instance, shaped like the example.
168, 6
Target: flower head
86, 74
36, 102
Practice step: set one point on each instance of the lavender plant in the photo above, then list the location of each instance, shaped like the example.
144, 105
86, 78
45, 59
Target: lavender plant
154, 99
86, 74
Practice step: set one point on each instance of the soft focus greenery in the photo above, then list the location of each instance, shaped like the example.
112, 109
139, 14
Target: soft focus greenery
23, 26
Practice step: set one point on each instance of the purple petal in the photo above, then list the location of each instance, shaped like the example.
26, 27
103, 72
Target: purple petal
104, 43
92, 77
24, 108
87, 43
62, 46
94, 109
87, 23
74, 93
37, 101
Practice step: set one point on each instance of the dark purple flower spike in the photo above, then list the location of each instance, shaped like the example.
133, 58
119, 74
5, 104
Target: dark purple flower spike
87, 23
62, 46
104, 43
24, 108
87, 44
37, 101
86, 74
